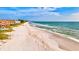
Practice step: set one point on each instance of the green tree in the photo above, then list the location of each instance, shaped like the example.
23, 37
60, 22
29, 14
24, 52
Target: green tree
22, 21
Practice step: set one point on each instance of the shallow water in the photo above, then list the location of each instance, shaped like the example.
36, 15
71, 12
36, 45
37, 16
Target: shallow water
68, 28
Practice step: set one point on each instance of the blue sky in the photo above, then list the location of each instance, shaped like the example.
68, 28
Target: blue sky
40, 13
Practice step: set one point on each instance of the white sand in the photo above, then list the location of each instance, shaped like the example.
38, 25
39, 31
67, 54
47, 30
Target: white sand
28, 38
20, 40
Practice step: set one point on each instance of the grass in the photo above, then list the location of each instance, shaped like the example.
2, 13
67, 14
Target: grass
9, 30
16, 25
3, 36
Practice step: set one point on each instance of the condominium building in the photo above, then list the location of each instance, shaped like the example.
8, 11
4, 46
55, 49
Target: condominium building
6, 23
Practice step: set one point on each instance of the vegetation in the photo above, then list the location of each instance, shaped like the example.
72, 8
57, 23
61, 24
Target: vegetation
14, 25
9, 29
3, 31
22, 21
3, 36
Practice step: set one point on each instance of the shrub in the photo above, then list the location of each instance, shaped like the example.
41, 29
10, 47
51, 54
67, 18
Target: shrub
3, 36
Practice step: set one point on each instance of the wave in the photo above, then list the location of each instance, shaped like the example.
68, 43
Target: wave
58, 29
51, 27
42, 25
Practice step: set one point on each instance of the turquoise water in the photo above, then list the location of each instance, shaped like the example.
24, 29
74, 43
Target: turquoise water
67, 28
71, 25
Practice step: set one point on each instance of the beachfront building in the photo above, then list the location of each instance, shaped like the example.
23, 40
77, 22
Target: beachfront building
4, 23
17, 21
7, 23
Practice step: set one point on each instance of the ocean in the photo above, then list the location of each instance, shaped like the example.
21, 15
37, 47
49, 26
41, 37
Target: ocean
67, 28
71, 25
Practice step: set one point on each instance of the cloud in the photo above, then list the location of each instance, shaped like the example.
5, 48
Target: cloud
35, 12
43, 13
28, 10
38, 13
75, 15
71, 17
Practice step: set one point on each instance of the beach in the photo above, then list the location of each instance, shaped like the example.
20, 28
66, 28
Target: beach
29, 38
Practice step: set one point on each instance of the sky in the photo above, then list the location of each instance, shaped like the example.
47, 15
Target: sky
40, 13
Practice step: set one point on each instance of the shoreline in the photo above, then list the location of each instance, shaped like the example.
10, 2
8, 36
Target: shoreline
63, 35
69, 32
65, 38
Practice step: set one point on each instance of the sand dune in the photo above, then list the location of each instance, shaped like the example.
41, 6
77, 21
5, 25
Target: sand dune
28, 38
